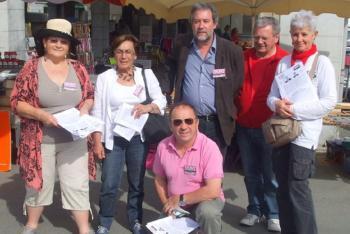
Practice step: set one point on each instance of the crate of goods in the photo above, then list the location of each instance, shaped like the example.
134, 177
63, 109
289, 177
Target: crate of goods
5, 92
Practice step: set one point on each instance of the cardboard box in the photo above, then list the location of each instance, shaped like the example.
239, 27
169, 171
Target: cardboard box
5, 101
9, 83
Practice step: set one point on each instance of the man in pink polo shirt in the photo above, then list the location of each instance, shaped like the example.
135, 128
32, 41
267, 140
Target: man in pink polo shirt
188, 171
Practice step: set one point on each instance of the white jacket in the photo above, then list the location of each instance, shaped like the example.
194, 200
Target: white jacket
310, 113
102, 109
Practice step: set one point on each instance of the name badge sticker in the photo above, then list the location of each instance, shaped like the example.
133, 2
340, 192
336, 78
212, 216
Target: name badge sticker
219, 73
70, 86
138, 90
190, 170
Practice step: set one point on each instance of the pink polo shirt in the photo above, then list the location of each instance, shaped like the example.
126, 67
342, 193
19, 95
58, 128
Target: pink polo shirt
184, 175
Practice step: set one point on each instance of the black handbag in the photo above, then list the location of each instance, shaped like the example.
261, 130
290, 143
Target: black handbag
157, 126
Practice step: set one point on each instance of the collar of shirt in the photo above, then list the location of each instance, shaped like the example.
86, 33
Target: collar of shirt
194, 147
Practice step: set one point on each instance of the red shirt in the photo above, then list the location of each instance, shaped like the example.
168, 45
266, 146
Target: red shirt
258, 76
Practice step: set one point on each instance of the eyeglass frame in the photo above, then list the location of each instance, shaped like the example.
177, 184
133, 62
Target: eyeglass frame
179, 122
126, 52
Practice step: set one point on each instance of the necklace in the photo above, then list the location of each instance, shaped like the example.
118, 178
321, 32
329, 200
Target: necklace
126, 76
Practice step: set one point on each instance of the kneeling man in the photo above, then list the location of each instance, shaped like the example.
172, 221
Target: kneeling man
188, 171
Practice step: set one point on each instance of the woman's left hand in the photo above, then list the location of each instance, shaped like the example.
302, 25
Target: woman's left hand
84, 111
141, 109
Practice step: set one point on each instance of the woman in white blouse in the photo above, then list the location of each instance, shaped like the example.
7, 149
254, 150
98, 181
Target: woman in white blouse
114, 88
294, 163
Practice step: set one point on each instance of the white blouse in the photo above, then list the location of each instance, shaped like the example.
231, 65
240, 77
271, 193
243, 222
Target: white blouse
109, 95
309, 112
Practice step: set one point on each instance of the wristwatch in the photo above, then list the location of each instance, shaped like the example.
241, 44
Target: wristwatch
182, 201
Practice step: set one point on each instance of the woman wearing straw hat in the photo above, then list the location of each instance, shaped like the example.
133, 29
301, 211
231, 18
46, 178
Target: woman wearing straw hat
46, 85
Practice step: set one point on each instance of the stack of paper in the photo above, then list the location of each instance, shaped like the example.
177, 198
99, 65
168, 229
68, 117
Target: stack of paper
295, 84
171, 225
79, 126
126, 123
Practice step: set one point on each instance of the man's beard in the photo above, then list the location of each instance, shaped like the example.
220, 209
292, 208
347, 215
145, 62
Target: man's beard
202, 38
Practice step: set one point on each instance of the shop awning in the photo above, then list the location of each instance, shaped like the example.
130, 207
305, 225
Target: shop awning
53, 1
116, 2
171, 10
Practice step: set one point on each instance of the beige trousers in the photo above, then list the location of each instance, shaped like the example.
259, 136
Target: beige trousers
70, 162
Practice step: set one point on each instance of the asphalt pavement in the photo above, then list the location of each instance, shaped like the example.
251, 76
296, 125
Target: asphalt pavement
330, 187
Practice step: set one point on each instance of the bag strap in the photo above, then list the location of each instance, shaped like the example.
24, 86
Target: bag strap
148, 98
313, 67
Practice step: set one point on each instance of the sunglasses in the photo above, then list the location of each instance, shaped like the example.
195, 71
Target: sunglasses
178, 122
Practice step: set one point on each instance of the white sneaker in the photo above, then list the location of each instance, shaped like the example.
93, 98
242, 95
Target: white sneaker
28, 230
273, 225
249, 220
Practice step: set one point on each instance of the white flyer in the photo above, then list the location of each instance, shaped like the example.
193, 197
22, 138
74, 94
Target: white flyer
125, 118
295, 84
79, 126
171, 225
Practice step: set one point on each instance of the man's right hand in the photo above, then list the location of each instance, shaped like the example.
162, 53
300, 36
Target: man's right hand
171, 204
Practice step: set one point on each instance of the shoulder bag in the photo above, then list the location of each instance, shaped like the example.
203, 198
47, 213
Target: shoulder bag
157, 126
280, 131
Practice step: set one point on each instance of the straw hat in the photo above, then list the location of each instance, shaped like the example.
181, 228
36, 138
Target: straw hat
57, 28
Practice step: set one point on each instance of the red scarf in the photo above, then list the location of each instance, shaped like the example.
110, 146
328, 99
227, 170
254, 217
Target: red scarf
303, 56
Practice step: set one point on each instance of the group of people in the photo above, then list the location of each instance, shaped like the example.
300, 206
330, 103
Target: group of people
231, 35
219, 92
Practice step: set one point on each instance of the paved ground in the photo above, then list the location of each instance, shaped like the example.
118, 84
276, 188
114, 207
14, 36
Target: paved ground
330, 188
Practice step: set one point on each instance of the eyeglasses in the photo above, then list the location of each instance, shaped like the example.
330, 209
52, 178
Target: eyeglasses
178, 122
126, 52
55, 40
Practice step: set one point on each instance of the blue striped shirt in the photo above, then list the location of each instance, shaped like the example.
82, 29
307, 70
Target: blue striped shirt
199, 86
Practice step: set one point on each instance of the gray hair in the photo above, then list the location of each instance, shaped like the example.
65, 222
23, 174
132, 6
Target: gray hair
262, 22
205, 6
303, 19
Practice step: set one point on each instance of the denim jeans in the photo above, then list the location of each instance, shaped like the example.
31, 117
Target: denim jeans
133, 154
259, 178
294, 165
211, 128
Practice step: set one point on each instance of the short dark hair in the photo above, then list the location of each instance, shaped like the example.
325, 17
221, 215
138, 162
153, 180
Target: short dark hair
125, 37
205, 6
182, 104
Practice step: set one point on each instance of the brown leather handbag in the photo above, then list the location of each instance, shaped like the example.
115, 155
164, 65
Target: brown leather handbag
279, 131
